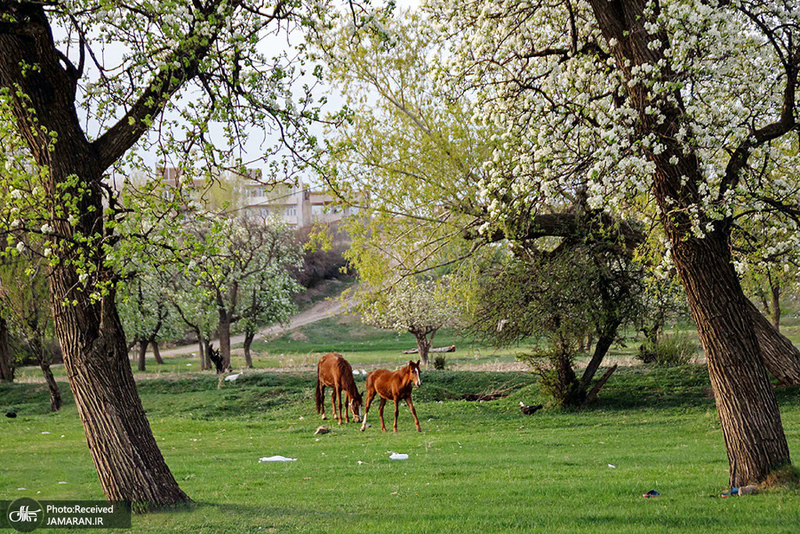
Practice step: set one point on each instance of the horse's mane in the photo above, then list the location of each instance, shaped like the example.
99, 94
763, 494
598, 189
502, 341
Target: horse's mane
348, 382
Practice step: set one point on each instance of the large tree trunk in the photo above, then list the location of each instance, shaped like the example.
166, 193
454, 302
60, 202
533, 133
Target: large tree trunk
6, 359
248, 340
748, 412
780, 356
224, 334
125, 454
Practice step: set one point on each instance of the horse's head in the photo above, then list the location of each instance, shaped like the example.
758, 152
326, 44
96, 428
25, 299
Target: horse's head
355, 406
413, 369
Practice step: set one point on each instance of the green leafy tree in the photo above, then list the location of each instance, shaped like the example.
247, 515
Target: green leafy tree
556, 297
267, 301
76, 114
230, 261
146, 314
23, 293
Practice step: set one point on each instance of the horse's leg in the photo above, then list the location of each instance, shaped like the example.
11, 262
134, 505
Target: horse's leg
380, 411
370, 396
396, 411
413, 412
346, 406
336, 414
322, 404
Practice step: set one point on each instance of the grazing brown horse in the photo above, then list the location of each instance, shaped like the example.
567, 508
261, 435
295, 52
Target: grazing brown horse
395, 385
335, 371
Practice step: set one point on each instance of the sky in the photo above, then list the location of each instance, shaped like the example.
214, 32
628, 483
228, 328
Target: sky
113, 54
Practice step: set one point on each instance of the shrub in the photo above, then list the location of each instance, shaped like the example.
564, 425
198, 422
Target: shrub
669, 351
439, 362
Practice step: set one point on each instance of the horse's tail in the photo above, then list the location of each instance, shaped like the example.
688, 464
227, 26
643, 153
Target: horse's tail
318, 394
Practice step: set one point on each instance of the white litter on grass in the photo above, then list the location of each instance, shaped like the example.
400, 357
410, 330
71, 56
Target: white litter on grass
364, 372
277, 458
45, 432
21, 489
188, 365
62, 482
231, 378
612, 466
398, 456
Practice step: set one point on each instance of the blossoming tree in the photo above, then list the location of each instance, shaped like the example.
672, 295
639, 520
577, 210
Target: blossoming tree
419, 307
677, 113
689, 101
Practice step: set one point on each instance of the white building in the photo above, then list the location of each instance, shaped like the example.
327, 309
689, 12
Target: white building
297, 205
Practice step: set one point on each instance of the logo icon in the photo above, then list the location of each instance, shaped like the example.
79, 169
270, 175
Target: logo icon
25, 515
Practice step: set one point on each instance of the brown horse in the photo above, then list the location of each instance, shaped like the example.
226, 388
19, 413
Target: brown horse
335, 371
395, 385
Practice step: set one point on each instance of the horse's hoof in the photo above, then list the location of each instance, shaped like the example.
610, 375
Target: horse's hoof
362, 428
323, 417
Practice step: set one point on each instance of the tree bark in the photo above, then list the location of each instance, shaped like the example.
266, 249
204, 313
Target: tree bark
52, 385
202, 348
780, 356
140, 358
156, 352
125, 454
748, 412
224, 334
248, 340
423, 346
776, 305
6, 359
604, 343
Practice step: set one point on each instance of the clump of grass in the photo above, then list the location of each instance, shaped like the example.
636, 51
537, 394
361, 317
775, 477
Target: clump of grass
670, 351
439, 362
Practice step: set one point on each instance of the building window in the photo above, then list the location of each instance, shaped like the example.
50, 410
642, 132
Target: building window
291, 211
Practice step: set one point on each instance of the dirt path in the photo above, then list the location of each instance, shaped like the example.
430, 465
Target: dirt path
319, 311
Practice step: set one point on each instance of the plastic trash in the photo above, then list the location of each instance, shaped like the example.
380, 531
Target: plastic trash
231, 378
745, 490
398, 456
277, 458
612, 466
652, 493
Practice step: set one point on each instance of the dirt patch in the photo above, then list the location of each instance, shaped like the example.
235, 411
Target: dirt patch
298, 336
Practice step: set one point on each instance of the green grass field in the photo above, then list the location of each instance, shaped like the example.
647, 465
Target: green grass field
478, 467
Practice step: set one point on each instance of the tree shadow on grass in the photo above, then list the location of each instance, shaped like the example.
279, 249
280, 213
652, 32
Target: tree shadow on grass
683, 387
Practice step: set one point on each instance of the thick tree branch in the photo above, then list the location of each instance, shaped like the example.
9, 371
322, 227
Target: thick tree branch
126, 132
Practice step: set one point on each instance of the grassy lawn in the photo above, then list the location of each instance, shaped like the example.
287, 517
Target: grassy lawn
476, 467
